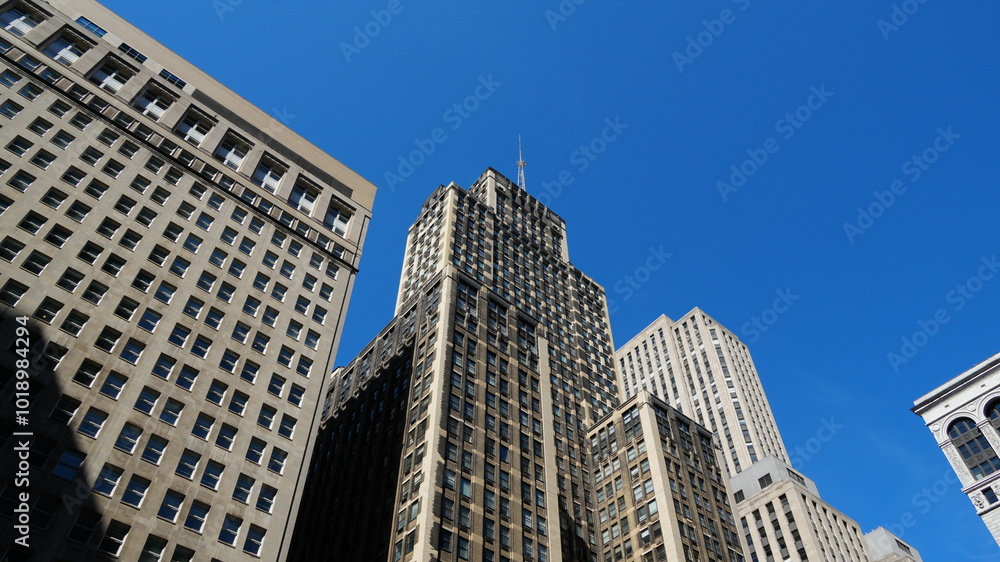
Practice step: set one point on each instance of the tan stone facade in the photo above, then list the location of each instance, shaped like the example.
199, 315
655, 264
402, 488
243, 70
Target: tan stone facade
185, 261
499, 360
660, 489
701, 368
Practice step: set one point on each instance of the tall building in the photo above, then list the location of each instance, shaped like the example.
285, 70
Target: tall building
884, 546
706, 372
182, 262
703, 370
964, 417
660, 487
783, 517
462, 427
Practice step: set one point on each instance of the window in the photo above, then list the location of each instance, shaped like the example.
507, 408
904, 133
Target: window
19, 20
107, 479
287, 269
77, 211
765, 481
228, 235
230, 530
152, 550
114, 537
249, 372
244, 485
303, 197
251, 305
260, 282
173, 79
179, 335
304, 366
132, 351
186, 377
113, 385
285, 356
247, 245
268, 174
254, 540
112, 75
260, 342
266, 417
145, 216
265, 501
255, 452
69, 464
8, 78
132, 53
87, 372
203, 426
128, 438
226, 436
194, 126
12, 292
287, 427
213, 473
205, 222
23, 180
146, 400
65, 409
81, 120
171, 505
9, 248
206, 281
135, 491
171, 411
201, 346
62, 139
58, 235
295, 395
90, 253
90, 26
19, 146
278, 292
337, 219
66, 49
113, 265
232, 151
48, 310
130, 239
30, 91
188, 464
277, 460
154, 449
36, 262
74, 322
238, 403
240, 332
92, 423
153, 102
95, 292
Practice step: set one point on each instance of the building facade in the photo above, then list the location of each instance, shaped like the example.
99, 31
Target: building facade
964, 417
182, 262
705, 371
484, 385
883, 546
660, 488
702, 369
782, 517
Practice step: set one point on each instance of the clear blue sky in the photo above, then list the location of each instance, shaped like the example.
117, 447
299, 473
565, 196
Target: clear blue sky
880, 95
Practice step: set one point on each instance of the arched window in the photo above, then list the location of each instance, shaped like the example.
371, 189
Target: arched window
993, 413
976, 451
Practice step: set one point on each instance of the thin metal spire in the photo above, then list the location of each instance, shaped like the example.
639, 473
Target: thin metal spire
520, 164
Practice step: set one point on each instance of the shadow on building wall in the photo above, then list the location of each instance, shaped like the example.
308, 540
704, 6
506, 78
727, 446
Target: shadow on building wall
42, 459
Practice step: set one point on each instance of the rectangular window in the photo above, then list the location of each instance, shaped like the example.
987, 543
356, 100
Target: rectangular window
107, 479
171, 411
112, 75
188, 464
171, 505
128, 438
154, 449
113, 385
92, 423
230, 530
146, 400
135, 491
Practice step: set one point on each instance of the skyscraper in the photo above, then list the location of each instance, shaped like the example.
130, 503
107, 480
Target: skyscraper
964, 416
706, 372
675, 504
183, 263
702, 369
461, 428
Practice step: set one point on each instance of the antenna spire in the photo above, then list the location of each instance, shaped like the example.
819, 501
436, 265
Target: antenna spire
520, 164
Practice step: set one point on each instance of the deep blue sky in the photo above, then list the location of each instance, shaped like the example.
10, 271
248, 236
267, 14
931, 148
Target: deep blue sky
894, 91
